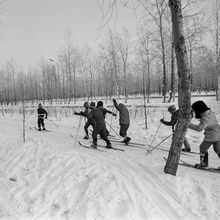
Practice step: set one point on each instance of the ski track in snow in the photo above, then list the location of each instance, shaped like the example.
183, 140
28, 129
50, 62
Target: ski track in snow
47, 178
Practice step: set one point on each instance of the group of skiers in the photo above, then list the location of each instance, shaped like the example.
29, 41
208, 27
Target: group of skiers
95, 115
96, 118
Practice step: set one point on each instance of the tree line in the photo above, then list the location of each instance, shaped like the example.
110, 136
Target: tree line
124, 65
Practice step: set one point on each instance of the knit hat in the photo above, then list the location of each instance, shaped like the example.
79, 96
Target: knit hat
86, 105
92, 105
172, 108
99, 103
199, 107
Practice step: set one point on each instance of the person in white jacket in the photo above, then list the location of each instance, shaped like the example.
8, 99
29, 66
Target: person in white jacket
208, 123
124, 121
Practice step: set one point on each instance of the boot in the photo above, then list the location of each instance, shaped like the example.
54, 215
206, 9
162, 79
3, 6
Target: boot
44, 128
108, 146
204, 161
127, 139
39, 129
94, 146
86, 137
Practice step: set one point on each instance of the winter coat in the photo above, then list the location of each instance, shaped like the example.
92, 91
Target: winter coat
209, 123
98, 114
85, 113
173, 120
41, 113
124, 118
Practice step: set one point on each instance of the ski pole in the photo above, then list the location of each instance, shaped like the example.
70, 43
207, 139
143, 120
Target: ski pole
113, 129
155, 136
77, 132
111, 121
53, 122
150, 150
164, 114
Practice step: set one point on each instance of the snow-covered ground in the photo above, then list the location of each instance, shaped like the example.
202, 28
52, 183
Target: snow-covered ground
52, 177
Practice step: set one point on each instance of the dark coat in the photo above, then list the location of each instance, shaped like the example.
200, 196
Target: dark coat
173, 120
98, 114
41, 113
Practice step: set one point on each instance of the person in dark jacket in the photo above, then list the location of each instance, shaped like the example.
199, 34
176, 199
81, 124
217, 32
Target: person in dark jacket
209, 123
88, 108
42, 113
174, 118
98, 114
124, 120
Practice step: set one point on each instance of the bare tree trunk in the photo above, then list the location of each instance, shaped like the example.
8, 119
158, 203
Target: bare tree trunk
217, 30
144, 92
70, 80
164, 65
148, 76
184, 89
23, 110
91, 81
125, 81
43, 85
74, 83
172, 73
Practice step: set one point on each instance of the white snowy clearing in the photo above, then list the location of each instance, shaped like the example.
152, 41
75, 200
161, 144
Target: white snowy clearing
50, 178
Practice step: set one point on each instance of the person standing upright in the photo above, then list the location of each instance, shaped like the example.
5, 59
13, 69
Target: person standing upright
98, 114
42, 113
124, 120
88, 108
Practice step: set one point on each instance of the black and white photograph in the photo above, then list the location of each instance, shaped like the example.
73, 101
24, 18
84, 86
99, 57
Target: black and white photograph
109, 109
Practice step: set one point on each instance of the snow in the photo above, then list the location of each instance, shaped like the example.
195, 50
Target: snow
51, 177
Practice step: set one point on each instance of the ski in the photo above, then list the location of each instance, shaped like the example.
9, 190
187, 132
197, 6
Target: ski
190, 152
112, 148
129, 143
151, 149
209, 169
88, 147
40, 130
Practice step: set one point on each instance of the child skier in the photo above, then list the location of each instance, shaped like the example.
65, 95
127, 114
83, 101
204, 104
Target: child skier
89, 121
174, 118
209, 123
98, 114
124, 120
42, 113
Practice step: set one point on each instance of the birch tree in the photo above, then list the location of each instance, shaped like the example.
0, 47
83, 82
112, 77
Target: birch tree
184, 89
157, 10
217, 47
122, 43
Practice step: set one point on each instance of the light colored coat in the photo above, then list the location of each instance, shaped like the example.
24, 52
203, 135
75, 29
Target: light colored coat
209, 123
124, 118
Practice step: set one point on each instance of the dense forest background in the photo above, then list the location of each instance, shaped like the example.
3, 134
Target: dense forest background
124, 65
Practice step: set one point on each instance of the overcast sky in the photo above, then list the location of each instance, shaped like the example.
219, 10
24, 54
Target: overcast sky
31, 29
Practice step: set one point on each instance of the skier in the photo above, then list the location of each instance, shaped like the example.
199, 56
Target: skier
98, 114
209, 123
174, 118
124, 120
42, 113
89, 121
